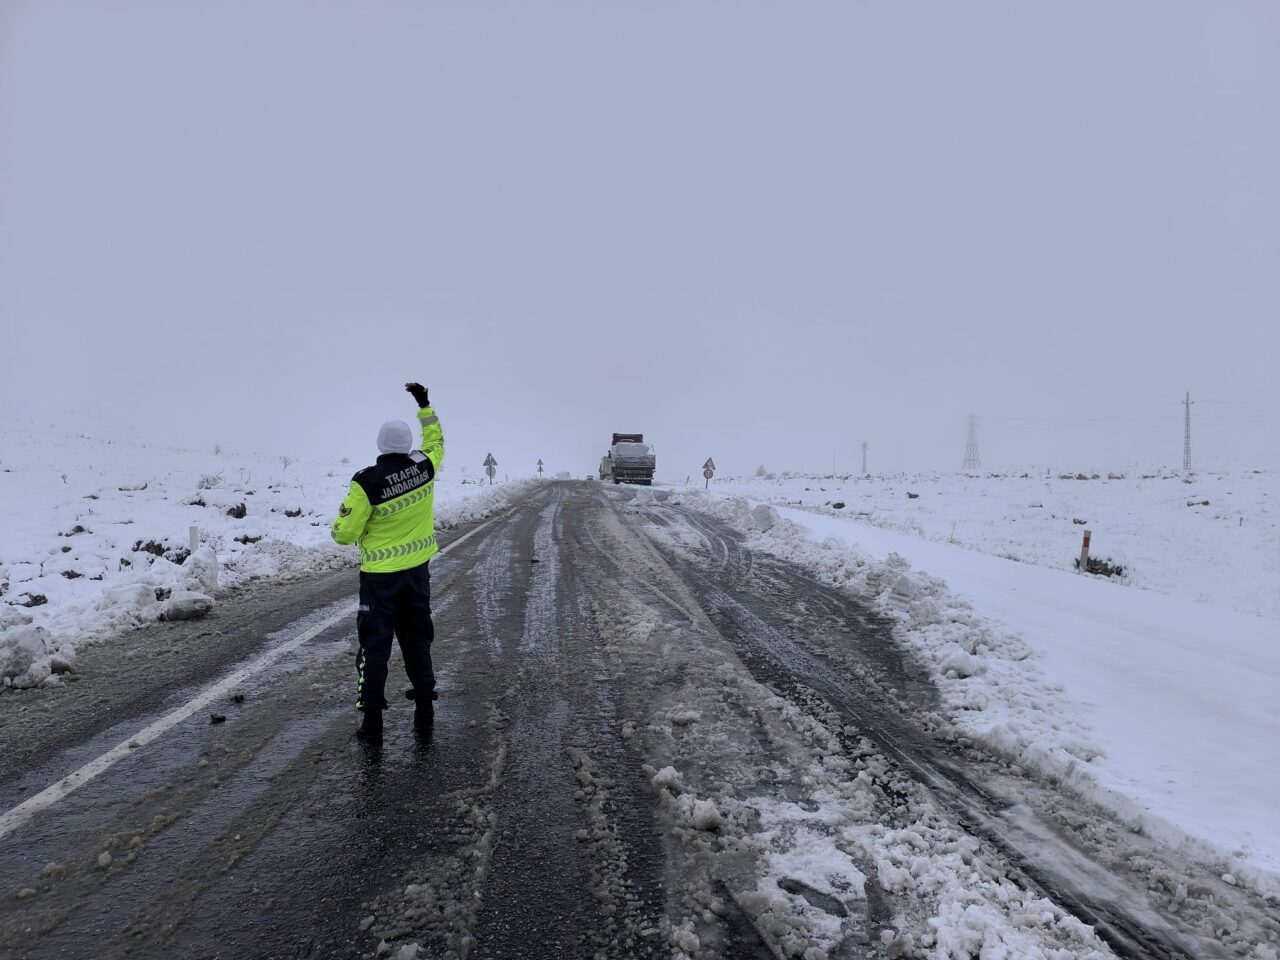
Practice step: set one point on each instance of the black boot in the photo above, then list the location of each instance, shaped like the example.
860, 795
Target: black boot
371, 727
424, 714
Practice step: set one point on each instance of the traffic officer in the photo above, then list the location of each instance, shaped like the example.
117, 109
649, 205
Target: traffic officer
389, 512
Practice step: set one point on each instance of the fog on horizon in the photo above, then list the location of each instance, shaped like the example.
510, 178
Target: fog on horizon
756, 232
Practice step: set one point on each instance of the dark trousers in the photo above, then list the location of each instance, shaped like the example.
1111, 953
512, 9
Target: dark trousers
394, 603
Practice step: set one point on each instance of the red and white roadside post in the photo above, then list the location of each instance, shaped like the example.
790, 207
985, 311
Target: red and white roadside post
1084, 552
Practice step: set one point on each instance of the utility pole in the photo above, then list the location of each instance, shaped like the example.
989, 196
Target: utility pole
1186, 436
864, 459
971, 459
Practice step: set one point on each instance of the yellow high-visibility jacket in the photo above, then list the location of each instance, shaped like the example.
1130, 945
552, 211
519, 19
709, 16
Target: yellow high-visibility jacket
389, 509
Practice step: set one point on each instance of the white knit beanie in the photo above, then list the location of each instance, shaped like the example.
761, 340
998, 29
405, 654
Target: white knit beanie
395, 437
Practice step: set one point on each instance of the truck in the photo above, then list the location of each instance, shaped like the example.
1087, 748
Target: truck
629, 460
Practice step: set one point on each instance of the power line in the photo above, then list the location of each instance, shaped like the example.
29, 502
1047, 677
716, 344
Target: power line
1155, 412
1245, 403
1241, 418
1108, 418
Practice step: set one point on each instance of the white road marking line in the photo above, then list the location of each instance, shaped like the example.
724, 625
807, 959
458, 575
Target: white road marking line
15, 818
51, 795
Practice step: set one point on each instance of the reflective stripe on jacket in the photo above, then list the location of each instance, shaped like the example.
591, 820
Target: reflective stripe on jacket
389, 509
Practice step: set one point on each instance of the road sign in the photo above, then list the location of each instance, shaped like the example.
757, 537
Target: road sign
489, 461
490, 467
708, 474
539, 466
709, 471
709, 465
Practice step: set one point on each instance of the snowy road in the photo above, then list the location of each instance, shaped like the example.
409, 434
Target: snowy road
649, 742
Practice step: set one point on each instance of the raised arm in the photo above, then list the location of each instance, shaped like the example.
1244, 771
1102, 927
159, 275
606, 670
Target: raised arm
432, 435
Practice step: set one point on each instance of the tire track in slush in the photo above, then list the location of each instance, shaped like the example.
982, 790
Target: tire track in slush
621, 841
493, 578
534, 838
1120, 915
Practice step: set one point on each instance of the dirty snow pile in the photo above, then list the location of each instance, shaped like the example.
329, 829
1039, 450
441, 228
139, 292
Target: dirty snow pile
94, 536
1157, 708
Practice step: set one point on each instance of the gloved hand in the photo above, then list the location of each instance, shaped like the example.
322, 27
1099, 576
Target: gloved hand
419, 393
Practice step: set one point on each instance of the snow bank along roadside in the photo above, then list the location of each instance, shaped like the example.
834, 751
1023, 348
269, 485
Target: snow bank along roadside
1157, 710
94, 538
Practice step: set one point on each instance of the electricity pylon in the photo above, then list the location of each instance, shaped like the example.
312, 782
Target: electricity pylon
971, 459
1186, 436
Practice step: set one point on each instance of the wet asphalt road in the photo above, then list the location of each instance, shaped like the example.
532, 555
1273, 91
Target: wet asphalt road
523, 826
273, 833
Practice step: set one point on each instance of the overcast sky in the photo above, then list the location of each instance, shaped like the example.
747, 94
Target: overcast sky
764, 232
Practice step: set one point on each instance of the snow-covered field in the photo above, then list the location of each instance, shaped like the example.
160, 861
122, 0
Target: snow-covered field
1154, 697
95, 536
1215, 539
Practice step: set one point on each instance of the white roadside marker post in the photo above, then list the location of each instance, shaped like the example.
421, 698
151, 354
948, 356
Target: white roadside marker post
1084, 552
194, 534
